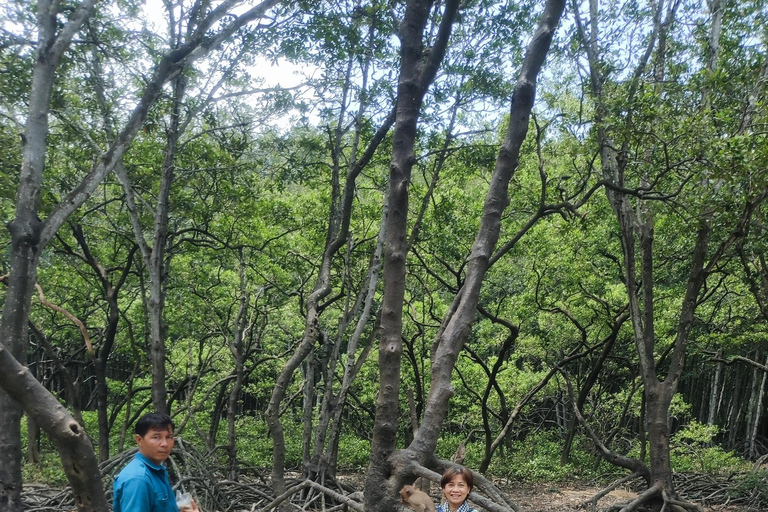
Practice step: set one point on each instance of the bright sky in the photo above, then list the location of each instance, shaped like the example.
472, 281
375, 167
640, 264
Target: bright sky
283, 73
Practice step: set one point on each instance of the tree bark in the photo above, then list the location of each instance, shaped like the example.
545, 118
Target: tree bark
336, 235
636, 227
110, 293
455, 328
756, 410
27, 241
452, 334
714, 395
33, 441
308, 410
415, 77
590, 381
30, 235
74, 447
322, 461
240, 353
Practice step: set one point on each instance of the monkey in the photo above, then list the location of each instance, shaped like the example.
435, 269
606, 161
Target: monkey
416, 500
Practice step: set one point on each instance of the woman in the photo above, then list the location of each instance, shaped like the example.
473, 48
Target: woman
456, 484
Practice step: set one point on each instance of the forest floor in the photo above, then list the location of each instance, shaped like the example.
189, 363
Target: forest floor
571, 497
253, 493
564, 497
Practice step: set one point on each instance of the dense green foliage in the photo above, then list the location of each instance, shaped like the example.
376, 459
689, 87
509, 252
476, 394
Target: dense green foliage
254, 188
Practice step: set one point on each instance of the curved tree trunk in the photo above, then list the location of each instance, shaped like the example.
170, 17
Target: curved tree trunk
636, 224
30, 235
26, 242
13, 333
351, 369
415, 77
110, 293
239, 352
589, 383
456, 327
156, 262
658, 396
385, 465
336, 236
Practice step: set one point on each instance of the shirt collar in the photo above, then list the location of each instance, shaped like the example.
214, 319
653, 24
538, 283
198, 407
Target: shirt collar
464, 507
149, 463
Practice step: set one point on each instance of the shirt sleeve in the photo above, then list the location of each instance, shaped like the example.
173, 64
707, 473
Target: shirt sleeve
133, 496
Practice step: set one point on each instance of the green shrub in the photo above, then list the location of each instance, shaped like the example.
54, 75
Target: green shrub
534, 459
752, 485
354, 451
691, 450
47, 471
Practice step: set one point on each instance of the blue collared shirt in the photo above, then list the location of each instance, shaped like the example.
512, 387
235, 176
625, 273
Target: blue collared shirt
143, 486
443, 507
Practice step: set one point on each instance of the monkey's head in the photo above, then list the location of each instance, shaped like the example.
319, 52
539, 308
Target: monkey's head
406, 492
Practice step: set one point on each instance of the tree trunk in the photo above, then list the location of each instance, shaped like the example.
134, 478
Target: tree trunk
13, 335
72, 442
216, 414
237, 346
157, 265
308, 413
735, 412
306, 345
33, 441
456, 326
755, 410
714, 395
325, 454
30, 235
234, 398
658, 398
636, 225
336, 235
457, 322
26, 242
415, 77
590, 381
110, 295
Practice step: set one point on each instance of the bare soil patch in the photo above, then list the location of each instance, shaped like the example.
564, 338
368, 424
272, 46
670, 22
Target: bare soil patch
572, 497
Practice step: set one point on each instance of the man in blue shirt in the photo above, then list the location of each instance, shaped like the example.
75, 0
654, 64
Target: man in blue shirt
142, 485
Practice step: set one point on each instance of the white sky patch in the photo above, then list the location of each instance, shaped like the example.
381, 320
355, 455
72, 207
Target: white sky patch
283, 73
267, 73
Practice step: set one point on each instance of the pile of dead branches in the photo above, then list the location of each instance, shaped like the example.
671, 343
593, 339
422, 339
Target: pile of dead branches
709, 490
748, 490
191, 472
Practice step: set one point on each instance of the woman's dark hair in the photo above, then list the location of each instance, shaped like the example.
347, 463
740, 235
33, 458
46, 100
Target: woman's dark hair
452, 472
153, 421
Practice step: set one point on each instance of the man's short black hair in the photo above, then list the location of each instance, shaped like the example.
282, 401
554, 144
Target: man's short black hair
153, 421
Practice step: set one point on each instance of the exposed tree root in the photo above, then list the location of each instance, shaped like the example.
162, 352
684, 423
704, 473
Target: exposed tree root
591, 503
669, 503
678, 505
191, 472
644, 497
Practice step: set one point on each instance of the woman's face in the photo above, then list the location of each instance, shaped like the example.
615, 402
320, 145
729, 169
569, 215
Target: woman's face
456, 492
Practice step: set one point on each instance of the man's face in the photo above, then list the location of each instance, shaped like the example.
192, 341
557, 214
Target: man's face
156, 445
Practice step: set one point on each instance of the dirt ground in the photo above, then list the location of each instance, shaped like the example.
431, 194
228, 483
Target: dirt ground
569, 498
547, 498
560, 497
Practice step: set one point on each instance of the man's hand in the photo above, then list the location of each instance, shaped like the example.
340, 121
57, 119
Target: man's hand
192, 507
